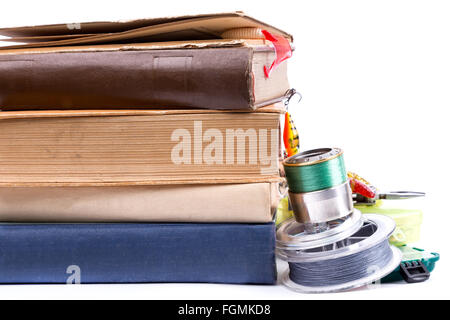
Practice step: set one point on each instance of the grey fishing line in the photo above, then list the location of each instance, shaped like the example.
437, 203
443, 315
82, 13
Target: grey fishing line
338, 261
341, 270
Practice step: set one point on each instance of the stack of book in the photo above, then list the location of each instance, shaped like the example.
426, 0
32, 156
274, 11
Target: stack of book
141, 151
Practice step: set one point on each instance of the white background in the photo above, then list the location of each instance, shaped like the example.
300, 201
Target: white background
375, 80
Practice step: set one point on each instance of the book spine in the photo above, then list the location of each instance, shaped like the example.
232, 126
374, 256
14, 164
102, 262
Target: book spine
212, 78
137, 253
239, 203
140, 150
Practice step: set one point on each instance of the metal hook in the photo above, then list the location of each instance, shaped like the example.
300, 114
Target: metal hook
289, 95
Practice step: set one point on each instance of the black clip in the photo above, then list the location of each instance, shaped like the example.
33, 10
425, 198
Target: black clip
414, 271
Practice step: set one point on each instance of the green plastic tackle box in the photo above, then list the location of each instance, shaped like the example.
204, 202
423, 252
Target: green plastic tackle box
418, 264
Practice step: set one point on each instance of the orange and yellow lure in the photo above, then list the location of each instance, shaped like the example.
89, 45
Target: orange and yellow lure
290, 136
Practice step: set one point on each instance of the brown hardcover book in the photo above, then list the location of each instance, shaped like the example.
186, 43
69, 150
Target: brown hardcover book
139, 147
194, 61
220, 203
214, 76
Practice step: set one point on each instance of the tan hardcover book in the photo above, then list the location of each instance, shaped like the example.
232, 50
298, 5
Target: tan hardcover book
194, 27
139, 147
242, 203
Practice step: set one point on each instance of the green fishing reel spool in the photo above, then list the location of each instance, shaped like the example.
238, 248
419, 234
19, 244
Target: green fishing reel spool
318, 187
315, 170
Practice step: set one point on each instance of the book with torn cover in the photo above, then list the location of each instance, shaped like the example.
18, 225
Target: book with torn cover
219, 61
220, 203
139, 147
137, 253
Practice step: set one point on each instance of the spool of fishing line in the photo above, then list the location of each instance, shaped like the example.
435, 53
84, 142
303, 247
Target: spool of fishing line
329, 245
315, 170
318, 186
330, 265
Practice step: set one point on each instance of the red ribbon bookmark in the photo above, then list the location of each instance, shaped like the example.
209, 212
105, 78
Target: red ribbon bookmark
283, 50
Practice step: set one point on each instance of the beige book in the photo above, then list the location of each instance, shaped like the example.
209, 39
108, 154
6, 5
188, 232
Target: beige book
243, 203
139, 147
195, 27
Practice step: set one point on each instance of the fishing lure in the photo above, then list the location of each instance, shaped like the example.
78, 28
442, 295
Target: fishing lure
290, 136
290, 133
361, 188
360, 185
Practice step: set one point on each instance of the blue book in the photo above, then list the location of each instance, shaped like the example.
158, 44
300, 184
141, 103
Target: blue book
136, 253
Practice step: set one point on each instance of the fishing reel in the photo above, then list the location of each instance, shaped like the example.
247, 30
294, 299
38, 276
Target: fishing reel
328, 244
